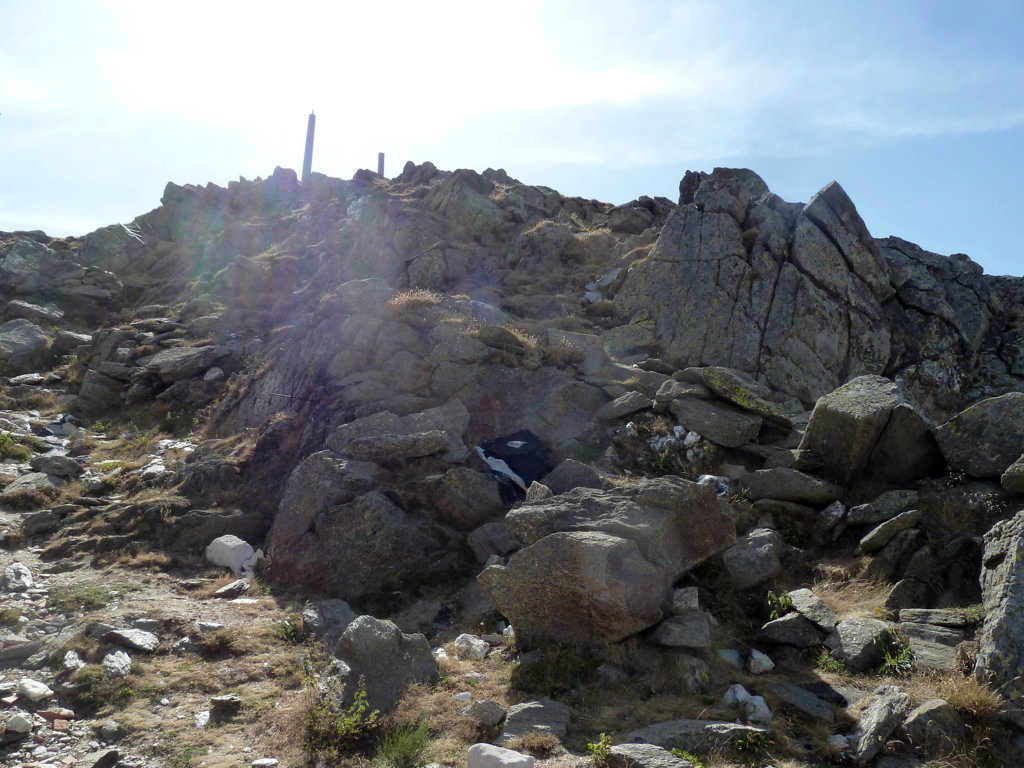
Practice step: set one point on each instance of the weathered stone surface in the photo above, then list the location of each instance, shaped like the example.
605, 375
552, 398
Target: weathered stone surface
491, 539
804, 701
811, 607
486, 712
31, 481
579, 587
17, 578
856, 642
1012, 479
882, 534
741, 279
466, 498
754, 558
179, 363
378, 542
846, 425
325, 620
694, 735
789, 485
22, 344
571, 474
942, 617
793, 629
389, 660
718, 422
759, 663
491, 756
676, 524
1001, 654
985, 439
934, 727
686, 630
99, 393
544, 716
883, 508
385, 435
54, 464
744, 392
644, 756
136, 639
631, 402
878, 720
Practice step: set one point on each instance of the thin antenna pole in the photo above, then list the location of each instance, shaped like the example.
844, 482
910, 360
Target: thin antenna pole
307, 160
380, 164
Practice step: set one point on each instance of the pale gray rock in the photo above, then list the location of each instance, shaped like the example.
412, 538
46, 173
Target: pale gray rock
491, 539
469, 646
858, 642
755, 558
55, 464
1012, 479
486, 712
545, 716
943, 617
22, 344
883, 508
935, 727
687, 630
325, 620
179, 363
685, 599
792, 629
985, 439
37, 313
846, 425
804, 701
811, 607
694, 735
117, 663
385, 435
389, 660
99, 393
17, 578
759, 663
644, 756
789, 484
745, 393
137, 639
1001, 654
675, 523
538, 492
579, 587
491, 756
718, 422
881, 535
571, 474
631, 402
878, 720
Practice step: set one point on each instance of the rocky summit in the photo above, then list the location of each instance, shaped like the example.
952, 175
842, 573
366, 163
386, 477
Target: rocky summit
449, 469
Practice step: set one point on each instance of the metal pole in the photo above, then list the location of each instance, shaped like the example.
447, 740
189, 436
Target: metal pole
307, 161
380, 164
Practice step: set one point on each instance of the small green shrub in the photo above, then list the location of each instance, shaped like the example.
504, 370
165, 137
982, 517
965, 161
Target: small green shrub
826, 662
599, 749
404, 747
793, 534
897, 656
682, 754
287, 630
778, 604
95, 689
753, 743
12, 448
9, 617
332, 732
86, 596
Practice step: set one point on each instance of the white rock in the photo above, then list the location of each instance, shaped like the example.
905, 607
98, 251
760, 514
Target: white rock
470, 647
264, 762
117, 663
202, 718
490, 756
758, 663
19, 722
757, 710
33, 690
464, 697
735, 695
72, 661
18, 578
208, 626
230, 552
838, 740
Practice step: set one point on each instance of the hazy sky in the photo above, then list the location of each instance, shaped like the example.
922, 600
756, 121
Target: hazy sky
916, 108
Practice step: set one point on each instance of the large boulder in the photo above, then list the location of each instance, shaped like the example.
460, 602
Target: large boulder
579, 587
386, 436
22, 344
878, 720
675, 523
755, 558
859, 642
1001, 653
719, 422
985, 439
388, 660
179, 363
741, 279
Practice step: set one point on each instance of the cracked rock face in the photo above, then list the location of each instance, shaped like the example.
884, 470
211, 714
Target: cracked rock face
742, 279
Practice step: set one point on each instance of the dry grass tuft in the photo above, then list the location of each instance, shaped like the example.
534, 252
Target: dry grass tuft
855, 597
413, 300
536, 743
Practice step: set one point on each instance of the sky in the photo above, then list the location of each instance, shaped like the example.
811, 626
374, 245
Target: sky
915, 107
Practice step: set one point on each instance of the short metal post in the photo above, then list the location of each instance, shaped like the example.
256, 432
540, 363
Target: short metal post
380, 164
307, 161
